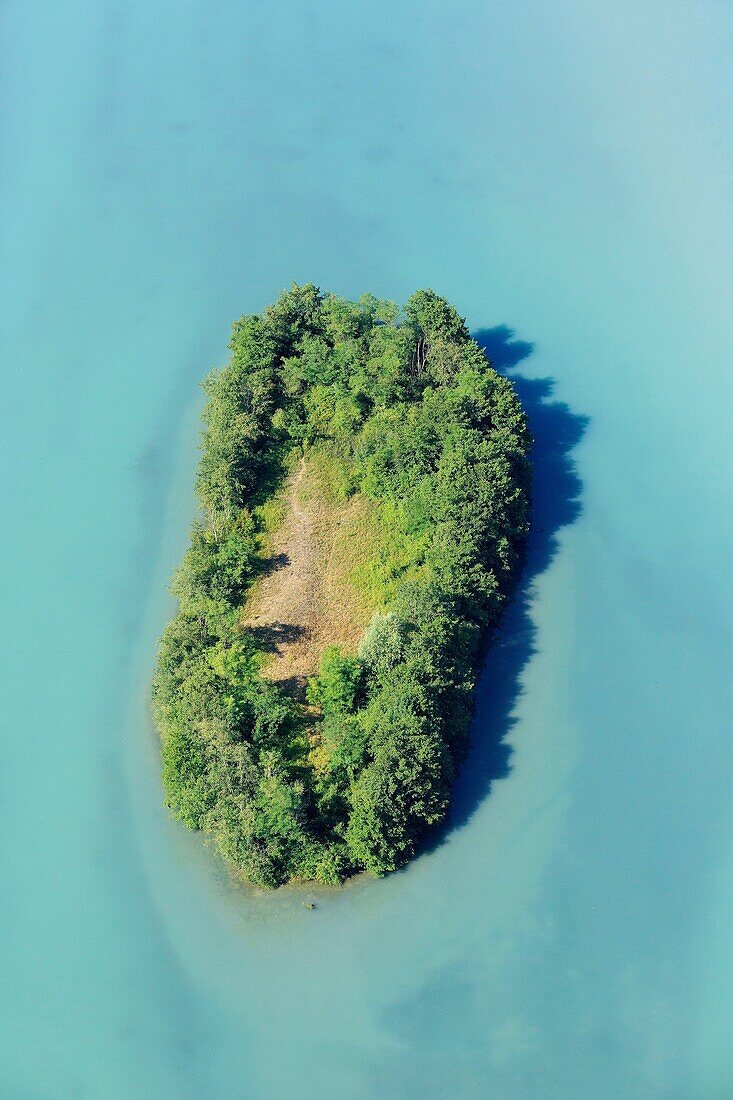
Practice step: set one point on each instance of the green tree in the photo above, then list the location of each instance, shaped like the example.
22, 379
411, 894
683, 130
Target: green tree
406, 411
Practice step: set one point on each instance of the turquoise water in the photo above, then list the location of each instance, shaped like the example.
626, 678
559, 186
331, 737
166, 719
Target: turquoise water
560, 169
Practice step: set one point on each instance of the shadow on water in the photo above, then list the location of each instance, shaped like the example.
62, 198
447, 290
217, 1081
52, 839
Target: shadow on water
556, 503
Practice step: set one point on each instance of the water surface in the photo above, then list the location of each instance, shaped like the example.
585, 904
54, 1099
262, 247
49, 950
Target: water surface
561, 170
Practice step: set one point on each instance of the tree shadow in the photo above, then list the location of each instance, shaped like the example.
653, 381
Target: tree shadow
266, 566
271, 637
556, 503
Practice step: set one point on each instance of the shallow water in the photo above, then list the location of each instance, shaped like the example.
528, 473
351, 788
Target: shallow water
563, 170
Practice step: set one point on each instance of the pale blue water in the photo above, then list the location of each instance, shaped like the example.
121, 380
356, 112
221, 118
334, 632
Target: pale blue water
563, 169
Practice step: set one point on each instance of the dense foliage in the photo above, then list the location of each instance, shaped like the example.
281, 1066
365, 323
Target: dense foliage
408, 412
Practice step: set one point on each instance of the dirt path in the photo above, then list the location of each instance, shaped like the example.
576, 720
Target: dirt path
306, 600
285, 609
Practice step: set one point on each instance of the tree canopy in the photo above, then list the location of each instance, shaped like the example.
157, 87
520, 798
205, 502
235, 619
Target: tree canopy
405, 409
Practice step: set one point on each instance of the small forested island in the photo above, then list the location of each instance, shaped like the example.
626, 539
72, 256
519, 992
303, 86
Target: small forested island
364, 491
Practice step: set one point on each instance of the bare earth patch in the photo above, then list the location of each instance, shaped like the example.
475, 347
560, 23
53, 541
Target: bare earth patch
306, 600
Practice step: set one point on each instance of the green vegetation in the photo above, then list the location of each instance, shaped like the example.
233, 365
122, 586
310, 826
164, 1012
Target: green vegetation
402, 411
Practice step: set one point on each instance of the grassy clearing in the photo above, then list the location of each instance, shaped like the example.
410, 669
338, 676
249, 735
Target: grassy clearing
333, 561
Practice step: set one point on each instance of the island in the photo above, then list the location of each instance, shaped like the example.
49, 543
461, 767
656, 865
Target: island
364, 490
